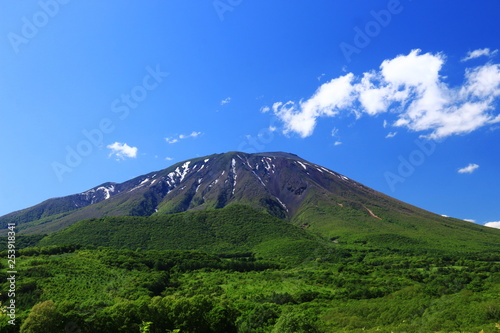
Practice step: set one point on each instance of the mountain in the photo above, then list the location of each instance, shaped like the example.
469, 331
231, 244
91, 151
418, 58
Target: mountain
276, 182
283, 185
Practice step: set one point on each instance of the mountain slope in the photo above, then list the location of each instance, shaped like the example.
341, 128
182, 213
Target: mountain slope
276, 182
307, 195
233, 230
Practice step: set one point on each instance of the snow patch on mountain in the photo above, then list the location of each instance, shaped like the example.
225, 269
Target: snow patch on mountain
269, 165
185, 170
284, 206
199, 184
302, 165
260, 179
235, 175
91, 194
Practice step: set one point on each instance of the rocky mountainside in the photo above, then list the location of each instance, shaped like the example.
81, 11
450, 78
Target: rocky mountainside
276, 182
281, 184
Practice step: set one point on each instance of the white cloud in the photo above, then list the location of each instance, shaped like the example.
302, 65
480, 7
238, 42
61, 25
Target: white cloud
335, 134
470, 220
171, 140
479, 53
469, 169
413, 69
493, 225
192, 135
225, 101
482, 81
408, 86
168, 158
182, 137
122, 151
265, 109
391, 135
327, 101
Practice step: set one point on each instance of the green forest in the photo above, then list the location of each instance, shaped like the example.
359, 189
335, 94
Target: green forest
249, 273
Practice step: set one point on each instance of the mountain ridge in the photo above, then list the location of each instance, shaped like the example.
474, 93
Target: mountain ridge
280, 184
59, 208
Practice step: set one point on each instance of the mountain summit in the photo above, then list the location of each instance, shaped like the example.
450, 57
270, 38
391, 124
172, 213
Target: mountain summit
276, 182
281, 184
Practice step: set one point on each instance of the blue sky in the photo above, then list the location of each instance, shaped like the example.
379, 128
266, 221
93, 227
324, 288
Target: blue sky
402, 96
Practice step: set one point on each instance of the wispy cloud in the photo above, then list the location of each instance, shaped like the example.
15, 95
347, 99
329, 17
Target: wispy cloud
479, 53
408, 86
493, 225
192, 135
122, 151
171, 140
335, 134
225, 101
265, 109
469, 169
391, 135
168, 158
470, 220
176, 139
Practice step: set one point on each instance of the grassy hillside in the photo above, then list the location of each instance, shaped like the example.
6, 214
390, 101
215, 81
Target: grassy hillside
393, 224
239, 229
234, 229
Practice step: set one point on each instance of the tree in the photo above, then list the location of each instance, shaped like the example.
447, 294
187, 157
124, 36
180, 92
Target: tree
43, 318
145, 326
291, 322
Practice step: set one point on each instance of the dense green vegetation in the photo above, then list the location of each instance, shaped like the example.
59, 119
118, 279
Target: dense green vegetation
238, 269
71, 289
240, 228
234, 229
